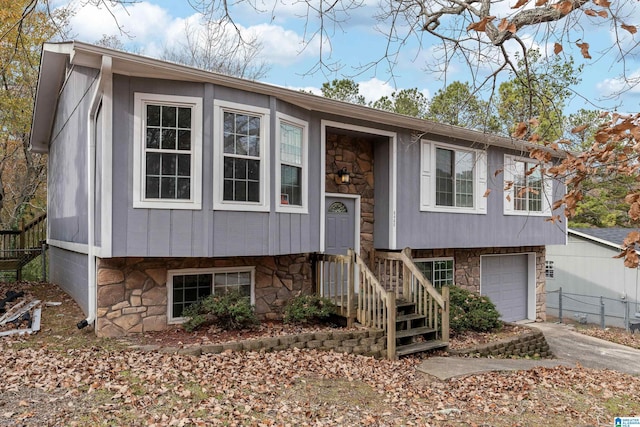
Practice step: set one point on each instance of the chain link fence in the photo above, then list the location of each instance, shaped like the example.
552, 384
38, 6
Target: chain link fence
603, 311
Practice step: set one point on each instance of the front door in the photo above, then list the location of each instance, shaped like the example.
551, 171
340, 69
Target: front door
340, 225
340, 229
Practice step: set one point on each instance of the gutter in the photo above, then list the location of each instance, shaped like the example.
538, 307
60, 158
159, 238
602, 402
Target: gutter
102, 91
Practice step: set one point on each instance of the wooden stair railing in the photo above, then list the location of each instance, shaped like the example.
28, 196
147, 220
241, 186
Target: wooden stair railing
19, 247
399, 274
371, 306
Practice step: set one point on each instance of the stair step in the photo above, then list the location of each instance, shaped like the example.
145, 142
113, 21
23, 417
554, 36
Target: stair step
418, 347
404, 303
414, 331
411, 316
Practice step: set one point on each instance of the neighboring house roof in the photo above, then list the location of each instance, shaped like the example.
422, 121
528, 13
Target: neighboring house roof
613, 236
54, 63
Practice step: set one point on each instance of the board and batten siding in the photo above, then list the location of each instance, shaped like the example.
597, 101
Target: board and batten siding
433, 230
69, 270
205, 232
67, 179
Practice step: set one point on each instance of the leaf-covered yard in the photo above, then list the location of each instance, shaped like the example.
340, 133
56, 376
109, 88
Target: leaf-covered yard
63, 376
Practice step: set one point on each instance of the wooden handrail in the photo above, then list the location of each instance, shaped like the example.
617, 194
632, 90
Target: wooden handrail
400, 275
376, 305
335, 281
375, 308
33, 234
29, 236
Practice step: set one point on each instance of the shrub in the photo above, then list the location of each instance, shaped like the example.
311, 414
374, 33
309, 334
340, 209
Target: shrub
308, 309
231, 310
471, 312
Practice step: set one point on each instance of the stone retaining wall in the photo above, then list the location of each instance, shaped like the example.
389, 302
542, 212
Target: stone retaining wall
368, 342
531, 344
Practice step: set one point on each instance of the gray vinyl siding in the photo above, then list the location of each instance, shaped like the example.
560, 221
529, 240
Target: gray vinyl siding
205, 232
69, 271
431, 230
67, 180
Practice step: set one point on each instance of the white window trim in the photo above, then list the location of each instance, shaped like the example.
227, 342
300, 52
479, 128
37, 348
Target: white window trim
304, 208
219, 107
453, 265
428, 178
139, 138
192, 271
509, 196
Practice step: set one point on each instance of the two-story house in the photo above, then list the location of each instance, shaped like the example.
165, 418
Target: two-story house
168, 183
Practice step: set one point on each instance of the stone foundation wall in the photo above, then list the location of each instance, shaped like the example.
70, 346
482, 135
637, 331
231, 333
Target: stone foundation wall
356, 154
132, 292
467, 268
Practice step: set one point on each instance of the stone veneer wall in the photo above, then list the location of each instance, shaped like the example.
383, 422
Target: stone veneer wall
132, 292
356, 154
467, 268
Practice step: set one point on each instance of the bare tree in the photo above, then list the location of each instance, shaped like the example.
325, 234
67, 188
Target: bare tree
213, 47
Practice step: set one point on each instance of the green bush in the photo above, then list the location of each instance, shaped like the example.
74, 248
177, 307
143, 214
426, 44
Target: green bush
231, 310
471, 312
308, 309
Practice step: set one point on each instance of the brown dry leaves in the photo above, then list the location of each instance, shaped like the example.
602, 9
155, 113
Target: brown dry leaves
45, 383
617, 335
90, 386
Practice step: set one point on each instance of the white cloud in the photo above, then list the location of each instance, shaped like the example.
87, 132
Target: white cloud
373, 89
143, 22
611, 87
281, 46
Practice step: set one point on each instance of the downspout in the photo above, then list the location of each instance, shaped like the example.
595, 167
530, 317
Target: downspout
104, 84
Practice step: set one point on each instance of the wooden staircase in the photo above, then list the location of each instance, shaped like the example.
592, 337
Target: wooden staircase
413, 335
398, 299
19, 247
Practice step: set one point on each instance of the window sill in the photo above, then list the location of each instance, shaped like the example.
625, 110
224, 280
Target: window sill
525, 213
452, 210
165, 204
302, 210
240, 207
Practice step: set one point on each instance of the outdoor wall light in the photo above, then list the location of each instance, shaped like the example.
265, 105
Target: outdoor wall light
344, 176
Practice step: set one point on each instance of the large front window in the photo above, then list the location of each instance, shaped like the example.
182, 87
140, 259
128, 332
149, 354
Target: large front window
527, 190
241, 157
167, 147
527, 187
168, 152
189, 286
453, 178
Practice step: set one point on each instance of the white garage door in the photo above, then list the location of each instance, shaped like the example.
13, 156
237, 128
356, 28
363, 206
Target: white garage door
504, 280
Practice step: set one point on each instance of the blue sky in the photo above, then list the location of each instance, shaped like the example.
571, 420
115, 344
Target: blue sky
154, 24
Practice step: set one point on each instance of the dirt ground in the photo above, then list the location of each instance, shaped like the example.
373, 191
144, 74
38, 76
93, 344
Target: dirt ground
65, 376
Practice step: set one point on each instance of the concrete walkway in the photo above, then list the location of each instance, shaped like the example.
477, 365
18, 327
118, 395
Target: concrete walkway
569, 347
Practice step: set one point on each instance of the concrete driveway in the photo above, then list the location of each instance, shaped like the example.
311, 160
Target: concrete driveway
574, 347
569, 347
